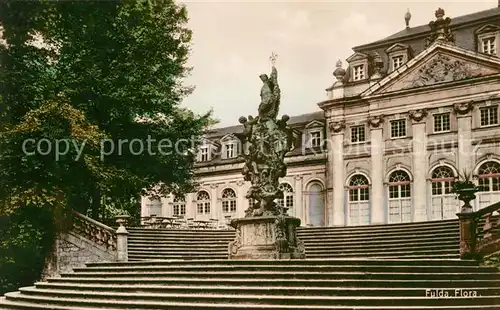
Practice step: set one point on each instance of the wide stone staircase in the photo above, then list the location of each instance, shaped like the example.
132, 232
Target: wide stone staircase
439, 239
402, 266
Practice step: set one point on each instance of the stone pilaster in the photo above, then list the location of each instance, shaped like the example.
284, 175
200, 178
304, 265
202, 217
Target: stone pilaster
335, 211
298, 204
214, 203
190, 205
464, 125
420, 164
378, 213
242, 203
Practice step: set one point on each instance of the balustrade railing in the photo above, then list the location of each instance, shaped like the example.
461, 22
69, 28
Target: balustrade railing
480, 232
94, 231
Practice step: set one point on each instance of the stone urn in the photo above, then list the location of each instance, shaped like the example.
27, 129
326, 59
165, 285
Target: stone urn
466, 195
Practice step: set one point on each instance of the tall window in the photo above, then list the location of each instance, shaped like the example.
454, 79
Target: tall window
179, 206
489, 45
398, 128
359, 197
316, 205
397, 62
228, 201
489, 183
288, 196
359, 72
230, 150
442, 122
315, 139
154, 207
399, 197
358, 134
203, 203
204, 153
489, 116
444, 205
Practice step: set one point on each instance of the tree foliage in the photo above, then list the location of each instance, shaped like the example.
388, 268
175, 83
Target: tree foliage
84, 72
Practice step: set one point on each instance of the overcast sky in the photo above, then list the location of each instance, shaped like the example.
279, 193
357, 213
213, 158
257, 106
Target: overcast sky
232, 42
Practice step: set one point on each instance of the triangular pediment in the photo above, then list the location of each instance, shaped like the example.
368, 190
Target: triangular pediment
396, 47
228, 137
488, 28
314, 124
356, 56
439, 64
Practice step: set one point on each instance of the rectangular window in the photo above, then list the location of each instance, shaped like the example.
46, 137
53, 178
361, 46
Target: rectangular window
489, 46
315, 139
230, 150
489, 116
359, 72
398, 128
442, 122
199, 208
397, 62
358, 134
179, 209
204, 154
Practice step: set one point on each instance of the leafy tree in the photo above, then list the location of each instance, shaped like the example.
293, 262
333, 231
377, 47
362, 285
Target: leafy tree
101, 73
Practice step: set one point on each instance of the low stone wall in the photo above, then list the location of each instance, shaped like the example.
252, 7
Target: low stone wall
71, 250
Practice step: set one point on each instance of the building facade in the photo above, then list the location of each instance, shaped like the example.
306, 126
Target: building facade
408, 115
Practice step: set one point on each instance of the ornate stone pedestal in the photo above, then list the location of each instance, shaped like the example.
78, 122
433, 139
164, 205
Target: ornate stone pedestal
266, 237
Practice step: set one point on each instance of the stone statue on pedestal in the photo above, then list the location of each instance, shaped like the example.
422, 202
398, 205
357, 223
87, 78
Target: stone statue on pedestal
266, 224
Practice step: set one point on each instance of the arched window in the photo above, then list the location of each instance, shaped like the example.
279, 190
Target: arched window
228, 201
316, 205
444, 205
399, 197
154, 207
288, 196
179, 207
489, 183
203, 203
359, 197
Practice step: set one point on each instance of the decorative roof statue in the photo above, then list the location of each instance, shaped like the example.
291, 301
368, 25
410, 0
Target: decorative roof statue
440, 29
407, 19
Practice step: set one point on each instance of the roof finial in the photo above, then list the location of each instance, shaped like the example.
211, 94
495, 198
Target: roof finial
407, 19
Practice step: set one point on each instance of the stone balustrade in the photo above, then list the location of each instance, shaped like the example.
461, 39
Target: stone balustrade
480, 232
94, 231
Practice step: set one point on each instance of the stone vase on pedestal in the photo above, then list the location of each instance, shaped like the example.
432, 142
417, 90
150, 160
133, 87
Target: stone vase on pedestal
266, 237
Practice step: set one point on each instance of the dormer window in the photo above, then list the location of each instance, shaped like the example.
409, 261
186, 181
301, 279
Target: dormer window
397, 61
316, 139
230, 146
398, 55
358, 72
358, 64
488, 37
204, 153
489, 45
230, 150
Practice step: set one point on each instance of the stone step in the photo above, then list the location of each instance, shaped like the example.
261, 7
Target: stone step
17, 300
236, 282
272, 290
343, 247
330, 261
309, 232
156, 300
201, 274
311, 252
287, 268
313, 241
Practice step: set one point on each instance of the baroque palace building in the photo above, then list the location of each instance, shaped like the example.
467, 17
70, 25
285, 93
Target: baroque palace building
408, 114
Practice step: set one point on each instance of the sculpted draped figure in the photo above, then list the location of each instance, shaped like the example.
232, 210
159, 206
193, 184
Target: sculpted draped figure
269, 93
268, 142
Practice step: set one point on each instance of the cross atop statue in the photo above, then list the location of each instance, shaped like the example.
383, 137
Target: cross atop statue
273, 58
